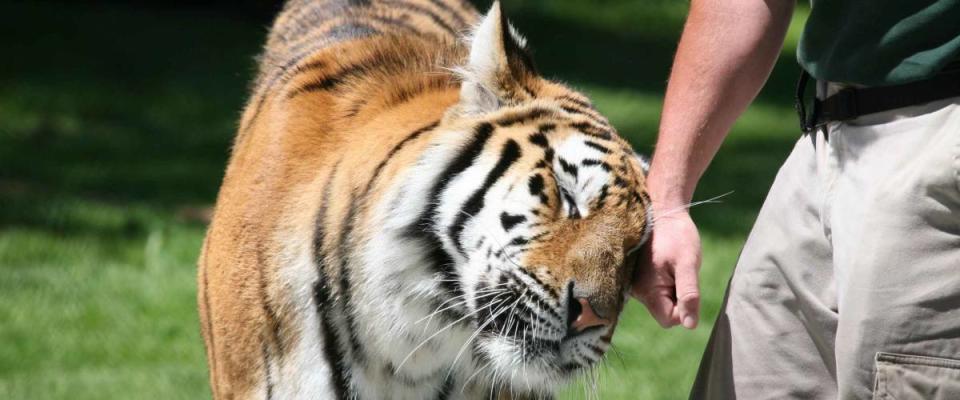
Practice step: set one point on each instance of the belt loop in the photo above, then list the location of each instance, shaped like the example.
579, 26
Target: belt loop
807, 122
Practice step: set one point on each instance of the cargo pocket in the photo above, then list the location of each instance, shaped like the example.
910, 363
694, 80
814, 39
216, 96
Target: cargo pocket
906, 377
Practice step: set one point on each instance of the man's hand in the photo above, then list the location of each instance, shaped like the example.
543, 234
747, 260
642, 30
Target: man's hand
667, 271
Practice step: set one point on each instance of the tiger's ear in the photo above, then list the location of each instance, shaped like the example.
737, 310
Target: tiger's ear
497, 66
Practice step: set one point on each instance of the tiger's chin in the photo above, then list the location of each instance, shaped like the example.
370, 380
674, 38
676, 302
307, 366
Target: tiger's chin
541, 365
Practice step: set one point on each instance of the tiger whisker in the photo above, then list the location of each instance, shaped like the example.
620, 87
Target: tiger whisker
618, 354
464, 301
477, 332
470, 378
667, 213
402, 362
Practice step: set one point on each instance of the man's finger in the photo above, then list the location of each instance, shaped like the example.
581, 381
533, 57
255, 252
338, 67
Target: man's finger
661, 308
688, 293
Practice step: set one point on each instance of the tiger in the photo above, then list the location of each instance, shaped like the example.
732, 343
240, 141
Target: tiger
410, 211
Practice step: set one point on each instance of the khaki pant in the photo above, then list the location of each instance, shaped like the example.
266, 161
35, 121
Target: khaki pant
849, 284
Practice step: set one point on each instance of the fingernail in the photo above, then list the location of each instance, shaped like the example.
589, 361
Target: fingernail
689, 322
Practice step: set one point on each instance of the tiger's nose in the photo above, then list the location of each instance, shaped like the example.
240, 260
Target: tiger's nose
583, 316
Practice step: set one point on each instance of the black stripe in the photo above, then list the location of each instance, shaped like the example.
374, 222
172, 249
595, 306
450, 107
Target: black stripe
331, 342
543, 303
325, 300
350, 30
423, 227
206, 305
446, 390
345, 286
548, 155
517, 241
620, 182
522, 117
266, 370
592, 130
529, 92
461, 23
592, 162
332, 81
568, 167
405, 93
574, 212
273, 322
546, 128
591, 115
599, 147
539, 139
509, 155
397, 22
602, 197
570, 367
508, 221
426, 12
256, 112
396, 149
525, 310
537, 237
305, 67
595, 349
321, 85
536, 185
574, 100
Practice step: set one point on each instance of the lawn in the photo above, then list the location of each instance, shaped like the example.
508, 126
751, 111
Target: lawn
115, 124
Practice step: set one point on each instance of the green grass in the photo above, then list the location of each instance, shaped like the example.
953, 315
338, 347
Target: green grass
114, 118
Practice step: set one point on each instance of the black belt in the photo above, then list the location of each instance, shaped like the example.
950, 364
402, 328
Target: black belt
850, 103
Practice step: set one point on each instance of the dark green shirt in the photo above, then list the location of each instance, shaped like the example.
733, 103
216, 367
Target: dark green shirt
879, 42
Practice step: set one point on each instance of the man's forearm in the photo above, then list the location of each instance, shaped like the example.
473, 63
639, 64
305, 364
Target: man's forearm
725, 55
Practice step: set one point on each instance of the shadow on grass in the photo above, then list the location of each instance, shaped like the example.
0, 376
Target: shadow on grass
118, 105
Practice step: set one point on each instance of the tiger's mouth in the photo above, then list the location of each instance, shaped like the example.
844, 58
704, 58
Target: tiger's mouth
524, 332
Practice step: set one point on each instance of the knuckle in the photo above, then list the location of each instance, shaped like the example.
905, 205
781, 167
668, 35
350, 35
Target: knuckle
689, 296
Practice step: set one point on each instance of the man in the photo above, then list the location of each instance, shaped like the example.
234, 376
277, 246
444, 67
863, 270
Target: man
849, 283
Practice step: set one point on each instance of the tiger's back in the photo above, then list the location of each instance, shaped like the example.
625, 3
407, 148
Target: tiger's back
324, 273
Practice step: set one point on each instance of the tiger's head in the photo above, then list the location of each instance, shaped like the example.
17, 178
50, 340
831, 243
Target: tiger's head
536, 213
